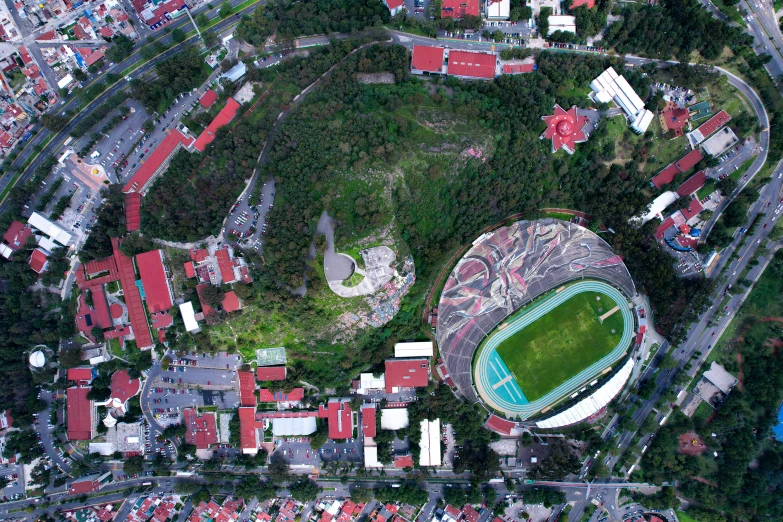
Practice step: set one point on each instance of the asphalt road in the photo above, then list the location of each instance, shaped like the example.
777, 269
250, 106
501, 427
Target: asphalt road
74, 103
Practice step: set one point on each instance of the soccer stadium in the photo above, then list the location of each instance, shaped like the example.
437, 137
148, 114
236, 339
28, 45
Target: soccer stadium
533, 314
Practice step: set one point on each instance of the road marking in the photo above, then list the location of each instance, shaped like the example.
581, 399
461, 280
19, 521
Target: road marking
405, 39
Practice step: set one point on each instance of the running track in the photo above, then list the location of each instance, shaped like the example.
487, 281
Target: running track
484, 381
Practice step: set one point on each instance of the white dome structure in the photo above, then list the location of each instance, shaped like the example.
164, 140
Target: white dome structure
37, 359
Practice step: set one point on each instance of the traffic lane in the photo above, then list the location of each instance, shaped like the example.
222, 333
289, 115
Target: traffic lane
74, 104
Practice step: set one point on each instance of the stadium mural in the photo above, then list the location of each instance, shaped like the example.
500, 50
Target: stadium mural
532, 313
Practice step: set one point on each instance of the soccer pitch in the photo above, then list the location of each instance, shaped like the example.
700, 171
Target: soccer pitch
562, 343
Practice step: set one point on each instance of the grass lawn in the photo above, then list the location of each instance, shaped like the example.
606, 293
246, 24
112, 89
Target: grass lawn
737, 174
562, 343
682, 516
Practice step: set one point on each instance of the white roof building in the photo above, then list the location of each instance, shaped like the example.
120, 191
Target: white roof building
562, 23
430, 443
371, 454
394, 418
613, 87
593, 403
48, 228
236, 72
189, 317
65, 82
498, 9
368, 382
417, 349
293, 426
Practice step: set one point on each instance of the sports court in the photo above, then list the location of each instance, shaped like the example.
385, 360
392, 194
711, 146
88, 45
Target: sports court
550, 349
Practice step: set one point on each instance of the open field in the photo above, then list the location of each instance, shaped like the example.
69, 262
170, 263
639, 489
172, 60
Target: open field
562, 343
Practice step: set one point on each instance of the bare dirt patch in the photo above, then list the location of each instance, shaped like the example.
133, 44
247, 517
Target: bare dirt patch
691, 444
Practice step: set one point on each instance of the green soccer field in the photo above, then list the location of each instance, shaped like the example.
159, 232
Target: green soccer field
562, 343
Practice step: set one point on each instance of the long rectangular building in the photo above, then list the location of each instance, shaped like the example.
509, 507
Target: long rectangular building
157, 161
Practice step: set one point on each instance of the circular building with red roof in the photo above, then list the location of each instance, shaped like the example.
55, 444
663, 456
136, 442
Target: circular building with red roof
565, 129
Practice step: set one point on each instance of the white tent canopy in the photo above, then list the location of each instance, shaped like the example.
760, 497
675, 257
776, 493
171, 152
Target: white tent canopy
293, 426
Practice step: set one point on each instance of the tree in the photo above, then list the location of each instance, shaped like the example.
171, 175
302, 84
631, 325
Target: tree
278, 470
213, 295
70, 357
121, 48
304, 490
202, 20
133, 465
97, 333
148, 126
54, 122
361, 495
178, 35
225, 10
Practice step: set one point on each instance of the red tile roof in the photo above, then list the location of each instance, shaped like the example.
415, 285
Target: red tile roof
459, 8
208, 98
98, 266
224, 264
472, 65
48, 35
230, 302
565, 128
123, 387
368, 421
426, 58
271, 373
693, 209
81, 375
83, 487
200, 430
26, 59
675, 118
499, 425
78, 413
471, 515
16, 235
714, 123
683, 164
340, 423
106, 31
692, 184
665, 176
663, 227
189, 270
101, 307
688, 161
93, 57
394, 4
517, 68
156, 159
247, 386
248, 427
38, 260
198, 255
153, 278
138, 317
133, 211
403, 461
406, 373
265, 395
225, 115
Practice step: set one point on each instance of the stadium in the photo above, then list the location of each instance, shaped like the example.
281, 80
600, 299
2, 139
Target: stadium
534, 315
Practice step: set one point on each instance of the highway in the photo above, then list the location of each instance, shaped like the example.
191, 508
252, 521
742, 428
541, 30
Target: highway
75, 105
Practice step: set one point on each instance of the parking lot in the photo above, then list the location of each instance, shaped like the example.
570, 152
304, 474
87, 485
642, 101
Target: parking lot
15, 489
248, 219
169, 119
114, 147
732, 159
419, 8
